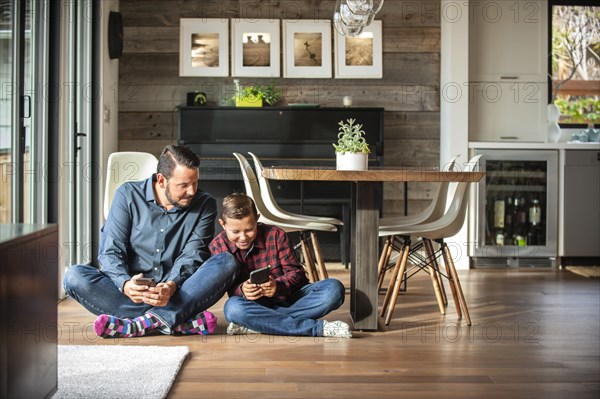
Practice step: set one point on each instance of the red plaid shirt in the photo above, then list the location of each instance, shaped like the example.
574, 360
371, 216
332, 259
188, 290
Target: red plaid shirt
271, 247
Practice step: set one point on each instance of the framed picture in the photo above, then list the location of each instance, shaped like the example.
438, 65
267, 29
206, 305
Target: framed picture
203, 47
306, 48
255, 48
359, 57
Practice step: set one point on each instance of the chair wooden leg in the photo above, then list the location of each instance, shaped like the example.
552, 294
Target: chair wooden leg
390, 289
398, 282
436, 289
308, 261
430, 251
386, 252
459, 291
318, 256
433, 275
452, 286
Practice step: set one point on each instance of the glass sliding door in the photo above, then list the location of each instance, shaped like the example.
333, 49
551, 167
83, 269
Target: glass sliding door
7, 44
23, 110
75, 127
47, 117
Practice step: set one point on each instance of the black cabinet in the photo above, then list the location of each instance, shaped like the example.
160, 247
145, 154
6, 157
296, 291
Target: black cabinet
28, 310
279, 136
275, 132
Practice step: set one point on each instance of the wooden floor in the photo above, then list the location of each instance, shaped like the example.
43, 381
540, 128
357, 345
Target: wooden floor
535, 334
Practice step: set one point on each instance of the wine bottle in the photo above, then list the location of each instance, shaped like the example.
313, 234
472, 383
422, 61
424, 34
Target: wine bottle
499, 213
535, 218
499, 220
535, 212
521, 221
515, 217
509, 222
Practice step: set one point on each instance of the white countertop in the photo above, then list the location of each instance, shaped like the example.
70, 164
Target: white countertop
534, 146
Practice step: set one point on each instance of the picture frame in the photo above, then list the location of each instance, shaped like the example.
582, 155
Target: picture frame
306, 48
203, 47
360, 57
255, 48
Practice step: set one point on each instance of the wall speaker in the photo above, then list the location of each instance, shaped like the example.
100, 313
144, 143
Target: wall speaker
115, 35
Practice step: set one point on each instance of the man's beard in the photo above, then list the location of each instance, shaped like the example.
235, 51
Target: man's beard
172, 201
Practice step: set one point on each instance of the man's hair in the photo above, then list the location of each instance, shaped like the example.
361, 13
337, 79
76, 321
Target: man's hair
238, 206
174, 155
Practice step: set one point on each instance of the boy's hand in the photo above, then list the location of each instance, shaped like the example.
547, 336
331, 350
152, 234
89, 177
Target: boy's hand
253, 292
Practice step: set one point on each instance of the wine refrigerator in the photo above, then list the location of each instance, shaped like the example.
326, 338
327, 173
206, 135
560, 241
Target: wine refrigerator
514, 220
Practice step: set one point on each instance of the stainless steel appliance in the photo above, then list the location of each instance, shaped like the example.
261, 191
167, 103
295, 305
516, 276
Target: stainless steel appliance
514, 221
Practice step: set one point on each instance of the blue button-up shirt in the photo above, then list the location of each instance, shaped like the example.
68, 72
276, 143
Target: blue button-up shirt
140, 236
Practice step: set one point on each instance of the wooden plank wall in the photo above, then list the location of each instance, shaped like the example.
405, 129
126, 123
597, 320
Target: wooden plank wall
150, 87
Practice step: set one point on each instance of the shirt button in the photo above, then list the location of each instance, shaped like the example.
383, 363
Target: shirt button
161, 230
156, 268
157, 250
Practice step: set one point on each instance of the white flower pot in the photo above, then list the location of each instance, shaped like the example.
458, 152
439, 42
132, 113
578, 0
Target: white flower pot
350, 161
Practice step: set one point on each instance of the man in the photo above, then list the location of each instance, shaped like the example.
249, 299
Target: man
157, 228
286, 304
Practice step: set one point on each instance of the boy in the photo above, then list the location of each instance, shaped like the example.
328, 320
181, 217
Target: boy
284, 305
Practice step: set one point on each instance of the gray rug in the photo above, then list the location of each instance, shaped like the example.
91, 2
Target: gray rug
117, 371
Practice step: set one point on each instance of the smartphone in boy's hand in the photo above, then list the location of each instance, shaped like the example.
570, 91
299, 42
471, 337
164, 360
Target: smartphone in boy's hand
261, 275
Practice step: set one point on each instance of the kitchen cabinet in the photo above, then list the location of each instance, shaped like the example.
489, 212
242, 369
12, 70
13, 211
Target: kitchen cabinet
508, 89
507, 111
581, 204
507, 40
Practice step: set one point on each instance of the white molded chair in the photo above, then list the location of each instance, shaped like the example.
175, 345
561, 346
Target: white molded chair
446, 226
288, 225
126, 166
270, 202
434, 211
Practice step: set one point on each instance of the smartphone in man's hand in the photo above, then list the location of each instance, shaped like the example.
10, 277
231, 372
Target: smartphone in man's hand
261, 275
149, 281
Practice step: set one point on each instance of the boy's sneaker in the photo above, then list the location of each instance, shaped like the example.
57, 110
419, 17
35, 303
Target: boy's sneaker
236, 329
336, 329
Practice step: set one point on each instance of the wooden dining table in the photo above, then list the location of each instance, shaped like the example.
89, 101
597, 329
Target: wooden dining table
365, 222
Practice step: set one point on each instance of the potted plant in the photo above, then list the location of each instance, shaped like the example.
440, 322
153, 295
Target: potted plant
255, 95
352, 150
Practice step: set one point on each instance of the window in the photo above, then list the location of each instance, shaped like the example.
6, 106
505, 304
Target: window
575, 60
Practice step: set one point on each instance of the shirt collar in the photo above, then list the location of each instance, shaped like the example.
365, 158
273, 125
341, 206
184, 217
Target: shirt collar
149, 189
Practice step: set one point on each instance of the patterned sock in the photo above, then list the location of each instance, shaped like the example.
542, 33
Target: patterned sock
203, 323
112, 327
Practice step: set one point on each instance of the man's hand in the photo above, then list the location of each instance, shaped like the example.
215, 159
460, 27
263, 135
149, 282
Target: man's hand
155, 296
160, 295
133, 291
253, 292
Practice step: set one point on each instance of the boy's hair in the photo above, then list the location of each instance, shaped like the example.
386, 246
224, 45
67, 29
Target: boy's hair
173, 155
238, 206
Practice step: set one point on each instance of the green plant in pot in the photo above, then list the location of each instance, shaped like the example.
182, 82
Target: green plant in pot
352, 150
270, 94
255, 95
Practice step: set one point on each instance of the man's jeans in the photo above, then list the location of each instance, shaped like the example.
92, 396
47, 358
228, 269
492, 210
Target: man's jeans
98, 294
296, 316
